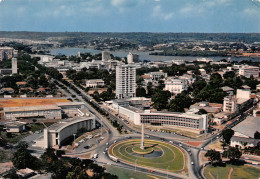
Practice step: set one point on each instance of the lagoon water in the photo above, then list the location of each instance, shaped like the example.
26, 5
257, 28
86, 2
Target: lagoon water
142, 55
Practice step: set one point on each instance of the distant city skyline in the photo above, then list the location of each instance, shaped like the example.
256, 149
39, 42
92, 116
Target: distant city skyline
130, 15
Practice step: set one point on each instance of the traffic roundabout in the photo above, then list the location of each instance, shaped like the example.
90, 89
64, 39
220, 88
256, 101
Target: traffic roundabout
156, 154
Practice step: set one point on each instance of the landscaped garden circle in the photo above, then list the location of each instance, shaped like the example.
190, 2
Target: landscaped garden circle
156, 154
146, 150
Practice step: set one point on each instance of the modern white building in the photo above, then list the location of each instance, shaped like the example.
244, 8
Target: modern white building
230, 104
248, 71
176, 85
47, 111
56, 134
243, 94
93, 83
189, 121
105, 56
183, 121
125, 81
157, 75
132, 58
14, 66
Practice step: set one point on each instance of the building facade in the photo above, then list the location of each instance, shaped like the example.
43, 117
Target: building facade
93, 83
230, 104
105, 56
14, 66
132, 58
157, 75
6, 53
249, 71
47, 111
56, 134
176, 85
125, 81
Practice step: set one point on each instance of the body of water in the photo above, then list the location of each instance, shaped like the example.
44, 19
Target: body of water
142, 55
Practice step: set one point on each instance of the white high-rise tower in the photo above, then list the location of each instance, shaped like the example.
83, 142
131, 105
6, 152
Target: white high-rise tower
125, 81
14, 65
105, 56
132, 58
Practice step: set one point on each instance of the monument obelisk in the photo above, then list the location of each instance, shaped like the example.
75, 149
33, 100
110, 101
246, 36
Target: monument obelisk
142, 138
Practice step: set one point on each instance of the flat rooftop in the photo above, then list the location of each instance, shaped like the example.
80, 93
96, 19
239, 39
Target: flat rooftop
249, 126
69, 103
64, 123
31, 108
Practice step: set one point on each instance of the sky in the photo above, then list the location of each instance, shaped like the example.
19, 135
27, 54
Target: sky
130, 15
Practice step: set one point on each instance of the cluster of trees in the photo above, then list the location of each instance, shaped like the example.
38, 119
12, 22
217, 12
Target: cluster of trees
35, 78
232, 153
52, 162
105, 95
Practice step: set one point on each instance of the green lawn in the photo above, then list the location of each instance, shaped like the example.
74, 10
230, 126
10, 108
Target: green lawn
239, 172
126, 173
172, 157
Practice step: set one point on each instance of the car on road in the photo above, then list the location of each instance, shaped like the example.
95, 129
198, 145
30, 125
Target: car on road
180, 145
192, 163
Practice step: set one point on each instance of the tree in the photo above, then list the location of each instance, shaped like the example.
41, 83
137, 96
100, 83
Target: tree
213, 155
22, 157
216, 80
160, 99
257, 135
140, 92
229, 74
227, 134
180, 102
232, 153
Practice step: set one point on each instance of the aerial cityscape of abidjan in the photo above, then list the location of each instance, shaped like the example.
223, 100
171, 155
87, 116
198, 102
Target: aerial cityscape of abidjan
129, 89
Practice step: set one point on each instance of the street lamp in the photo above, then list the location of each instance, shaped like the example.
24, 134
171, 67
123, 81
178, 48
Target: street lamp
74, 137
135, 165
167, 171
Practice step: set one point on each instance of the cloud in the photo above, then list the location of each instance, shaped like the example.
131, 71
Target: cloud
158, 13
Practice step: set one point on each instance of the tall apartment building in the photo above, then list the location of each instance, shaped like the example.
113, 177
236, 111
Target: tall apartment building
14, 65
230, 104
176, 85
248, 71
132, 57
105, 56
125, 81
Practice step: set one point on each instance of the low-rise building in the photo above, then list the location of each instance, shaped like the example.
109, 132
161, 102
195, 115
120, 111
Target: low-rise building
183, 121
15, 127
56, 134
157, 75
94, 83
249, 71
6, 90
243, 142
208, 107
47, 111
176, 85
248, 127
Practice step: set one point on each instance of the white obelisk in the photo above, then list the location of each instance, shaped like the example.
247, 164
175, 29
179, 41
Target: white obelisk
142, 139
